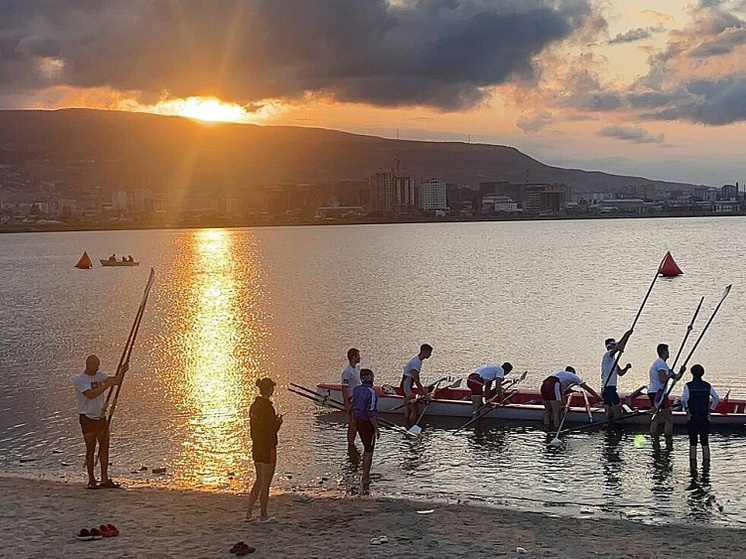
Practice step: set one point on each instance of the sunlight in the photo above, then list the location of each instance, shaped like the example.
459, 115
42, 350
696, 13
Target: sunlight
208, 109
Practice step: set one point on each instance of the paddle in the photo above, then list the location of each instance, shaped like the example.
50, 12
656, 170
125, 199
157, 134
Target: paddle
416, 429
325, 401
490, 405
634, 323
454, 384
556, 440
663, 393
588, 407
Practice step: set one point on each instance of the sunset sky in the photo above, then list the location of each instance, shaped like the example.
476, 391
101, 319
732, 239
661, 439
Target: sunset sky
655, 88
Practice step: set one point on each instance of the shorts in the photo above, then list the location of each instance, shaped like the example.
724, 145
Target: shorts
91, 425
665, 404
698, 427
264, 455
406, 386
610, 396
475, 384
367, 433
550, 389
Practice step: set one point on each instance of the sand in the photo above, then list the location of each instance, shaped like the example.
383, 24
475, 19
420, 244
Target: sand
38, 518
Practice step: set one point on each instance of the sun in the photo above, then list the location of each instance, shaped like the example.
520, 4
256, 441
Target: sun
213, 110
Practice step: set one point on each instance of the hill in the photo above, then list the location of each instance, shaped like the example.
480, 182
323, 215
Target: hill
121, 150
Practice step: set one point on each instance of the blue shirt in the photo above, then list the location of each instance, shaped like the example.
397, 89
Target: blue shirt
365, 401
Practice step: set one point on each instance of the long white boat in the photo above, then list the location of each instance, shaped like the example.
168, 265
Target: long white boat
526, 405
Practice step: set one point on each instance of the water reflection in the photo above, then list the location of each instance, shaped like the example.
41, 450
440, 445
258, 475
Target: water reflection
700, 497
611, 459
216, 384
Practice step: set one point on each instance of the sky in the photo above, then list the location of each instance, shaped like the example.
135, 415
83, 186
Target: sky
655, 88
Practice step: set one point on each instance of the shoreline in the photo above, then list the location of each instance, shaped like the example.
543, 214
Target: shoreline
226, 224
40, 517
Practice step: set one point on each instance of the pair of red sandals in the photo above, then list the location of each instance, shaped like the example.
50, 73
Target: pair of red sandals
103, 531
242, 549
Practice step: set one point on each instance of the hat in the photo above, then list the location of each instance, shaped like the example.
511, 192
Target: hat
265, 384
609, 343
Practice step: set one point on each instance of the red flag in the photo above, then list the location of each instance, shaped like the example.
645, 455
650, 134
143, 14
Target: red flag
85, 262
668, 267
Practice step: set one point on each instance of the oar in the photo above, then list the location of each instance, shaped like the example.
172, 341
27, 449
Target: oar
588, 426
588, 407
416, 429
328, 401
487, 407
455, 384
634, 323
676, 378
556, 440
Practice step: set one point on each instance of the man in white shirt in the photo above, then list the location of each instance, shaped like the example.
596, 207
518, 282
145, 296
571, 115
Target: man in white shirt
350, 379
411, 378
480, 383
660, 373
90, 386
553, 389
609, 378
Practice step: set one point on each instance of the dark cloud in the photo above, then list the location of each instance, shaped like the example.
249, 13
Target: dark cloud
535, 123
725, 44
597, 101
441, 53
717, 102
635, 35
655, 99
630, 134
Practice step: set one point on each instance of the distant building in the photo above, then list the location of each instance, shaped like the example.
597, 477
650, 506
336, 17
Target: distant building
624, 205
729, 192
406, 197
433, 195
493, 203
544, 199
383, 192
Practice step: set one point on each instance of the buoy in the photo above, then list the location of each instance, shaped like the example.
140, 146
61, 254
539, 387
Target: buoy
669, 268
85, 262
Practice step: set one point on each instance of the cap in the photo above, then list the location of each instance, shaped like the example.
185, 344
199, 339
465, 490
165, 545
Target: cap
610, 342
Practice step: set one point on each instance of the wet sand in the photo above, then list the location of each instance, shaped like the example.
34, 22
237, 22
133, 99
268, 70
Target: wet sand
39, 518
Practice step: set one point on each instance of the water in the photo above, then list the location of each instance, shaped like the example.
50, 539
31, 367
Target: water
232, 305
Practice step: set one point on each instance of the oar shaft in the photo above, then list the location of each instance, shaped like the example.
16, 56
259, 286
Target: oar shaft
689, 329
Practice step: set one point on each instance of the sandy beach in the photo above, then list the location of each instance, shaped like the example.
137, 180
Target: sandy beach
39, 519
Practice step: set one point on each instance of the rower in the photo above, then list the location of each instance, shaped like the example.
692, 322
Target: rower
552, 390
610, 378
365, 411
480, 383
660, 373
350, 379
698, 400
411, 378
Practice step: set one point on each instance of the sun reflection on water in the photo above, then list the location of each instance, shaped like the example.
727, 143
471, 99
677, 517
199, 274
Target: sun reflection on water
219, 349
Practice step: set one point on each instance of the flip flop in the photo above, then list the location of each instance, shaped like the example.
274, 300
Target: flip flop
110, 484
244, 549
114, 530
105, 531
250, 519
84, 535
236, 547
267, 520
93, 485
95, 533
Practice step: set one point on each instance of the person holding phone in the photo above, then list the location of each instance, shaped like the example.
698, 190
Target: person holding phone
265, 424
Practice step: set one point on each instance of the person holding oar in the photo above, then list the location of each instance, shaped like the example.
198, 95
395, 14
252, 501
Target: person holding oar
698, 399
480, 383
411, 378
350, 379
90, 386
552, 390
660, 373
365, 410
610, 373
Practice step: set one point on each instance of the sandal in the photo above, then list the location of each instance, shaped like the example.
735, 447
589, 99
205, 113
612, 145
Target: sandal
245, 550
267, 520
110, 484
105, 531
95, 533
84, 535
113, 529
93, 485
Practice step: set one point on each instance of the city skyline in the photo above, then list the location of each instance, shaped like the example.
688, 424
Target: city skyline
646, 89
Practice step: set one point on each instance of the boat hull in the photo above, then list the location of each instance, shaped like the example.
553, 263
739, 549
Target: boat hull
527, 407
117, 263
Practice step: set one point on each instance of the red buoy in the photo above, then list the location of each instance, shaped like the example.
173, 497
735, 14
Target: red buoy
85, 262
669, 268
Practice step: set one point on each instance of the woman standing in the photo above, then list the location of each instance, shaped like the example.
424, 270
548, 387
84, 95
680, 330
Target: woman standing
264, 424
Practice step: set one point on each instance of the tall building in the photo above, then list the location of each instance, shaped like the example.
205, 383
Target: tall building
433, 195
406, 197
382, 192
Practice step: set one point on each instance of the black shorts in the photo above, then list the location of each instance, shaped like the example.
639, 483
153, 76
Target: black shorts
610, 396
367, 433
264, 455
89, 425
699, 427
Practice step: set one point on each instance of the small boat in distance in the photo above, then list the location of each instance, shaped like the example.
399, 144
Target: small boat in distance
115, 262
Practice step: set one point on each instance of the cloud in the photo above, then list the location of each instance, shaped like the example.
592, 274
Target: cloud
630, 134
635, 35
445, 54
596, 101
716, 102
724, 44
535, 123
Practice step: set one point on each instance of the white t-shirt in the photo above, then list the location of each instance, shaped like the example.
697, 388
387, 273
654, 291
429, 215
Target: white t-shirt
655, 381
351, 378
414, 363
607, 364
90, 407
490, 372
567, 379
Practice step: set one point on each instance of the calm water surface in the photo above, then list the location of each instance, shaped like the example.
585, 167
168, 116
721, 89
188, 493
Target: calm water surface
230, 306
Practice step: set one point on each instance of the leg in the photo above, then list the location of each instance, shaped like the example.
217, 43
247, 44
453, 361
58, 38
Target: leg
476, 402
547, 414
351, 429
704, 435
103, 453
668, 418
556, 413
264, 495
90, 456
367, 463
256, 488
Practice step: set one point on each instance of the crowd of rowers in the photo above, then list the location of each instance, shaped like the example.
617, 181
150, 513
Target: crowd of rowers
698, 397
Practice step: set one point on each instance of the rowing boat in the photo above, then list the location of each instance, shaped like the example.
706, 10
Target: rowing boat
526, 405
117, 262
